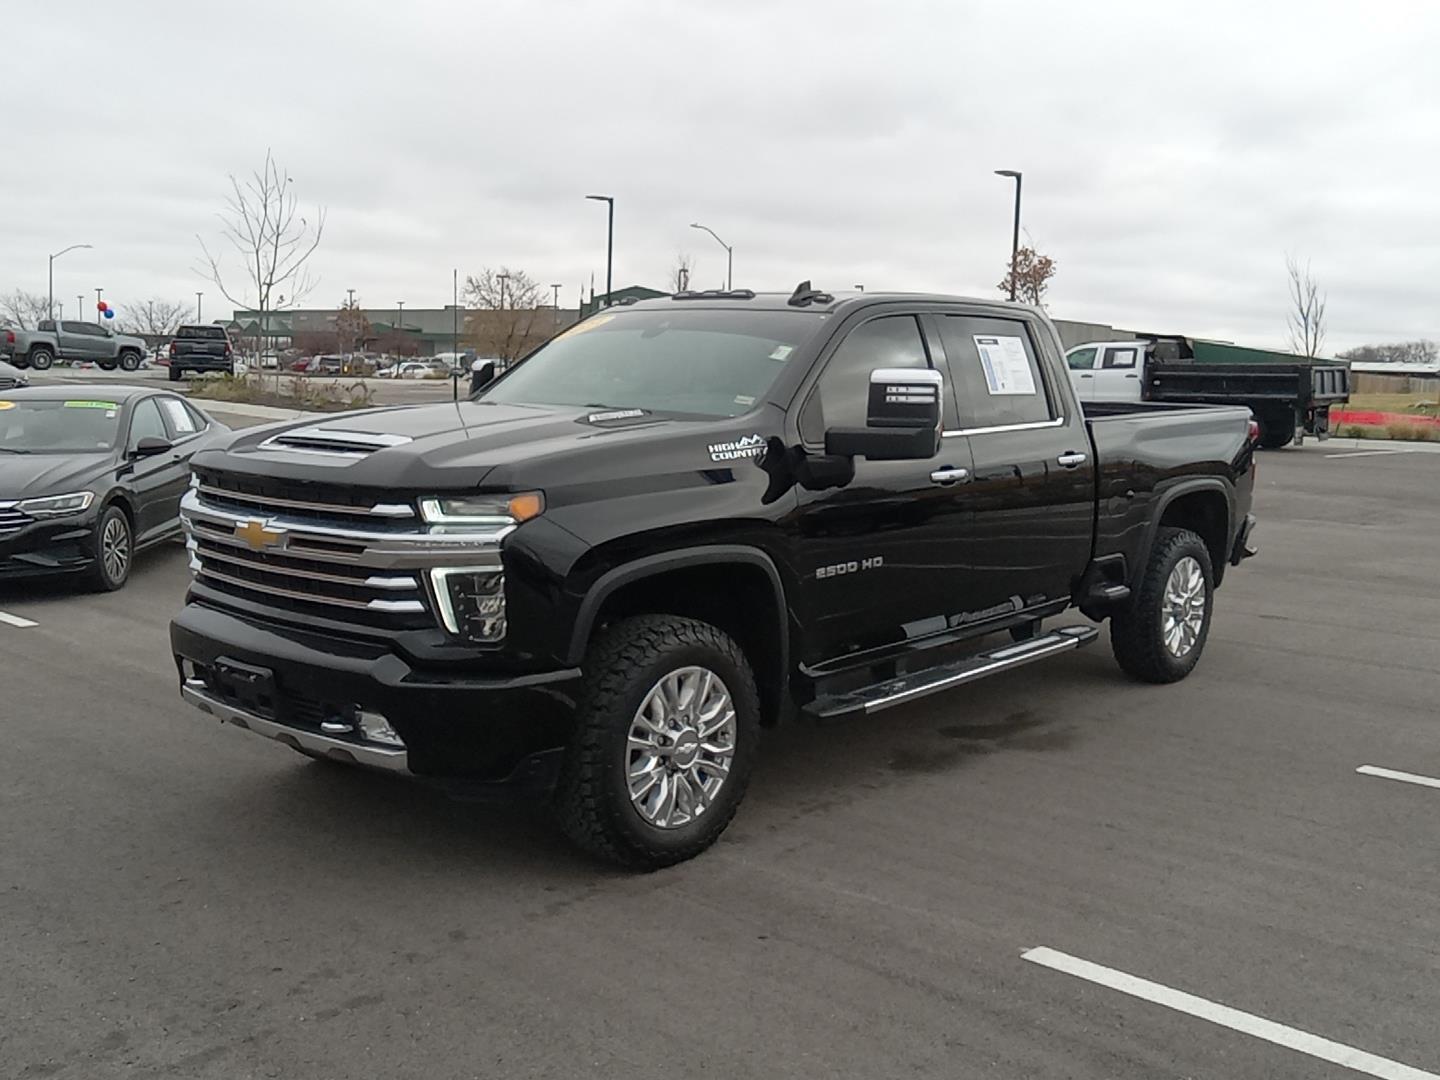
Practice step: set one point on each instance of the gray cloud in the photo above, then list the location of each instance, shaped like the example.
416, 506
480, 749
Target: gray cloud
1171, 156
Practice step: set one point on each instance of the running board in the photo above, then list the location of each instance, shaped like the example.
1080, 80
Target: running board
919, 684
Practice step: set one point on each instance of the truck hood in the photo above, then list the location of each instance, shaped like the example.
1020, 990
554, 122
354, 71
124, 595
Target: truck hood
467, 444
28, 476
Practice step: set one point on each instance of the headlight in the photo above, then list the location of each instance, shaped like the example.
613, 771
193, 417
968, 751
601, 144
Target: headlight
471, 600
56, 505
494, 510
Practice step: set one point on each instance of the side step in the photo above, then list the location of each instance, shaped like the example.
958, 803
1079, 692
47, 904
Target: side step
919, 684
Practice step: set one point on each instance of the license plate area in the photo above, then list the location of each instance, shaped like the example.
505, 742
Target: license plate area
245, 686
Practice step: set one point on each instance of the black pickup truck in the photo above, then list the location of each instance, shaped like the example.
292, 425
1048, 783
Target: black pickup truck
687, 519
201, 348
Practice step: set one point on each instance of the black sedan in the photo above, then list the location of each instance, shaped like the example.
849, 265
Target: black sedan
91, 474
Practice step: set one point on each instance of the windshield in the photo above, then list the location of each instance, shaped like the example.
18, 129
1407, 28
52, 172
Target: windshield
58, 427
700, 362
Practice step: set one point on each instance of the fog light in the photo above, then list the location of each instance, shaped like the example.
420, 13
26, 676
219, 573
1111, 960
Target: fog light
471, 601
377, 729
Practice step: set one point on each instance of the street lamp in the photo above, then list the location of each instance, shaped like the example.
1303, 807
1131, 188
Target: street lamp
50, 295
98, 316
399, 324
1015, 236
502, 279
609, 201
729, 255
198, 297
555, 302
859, 288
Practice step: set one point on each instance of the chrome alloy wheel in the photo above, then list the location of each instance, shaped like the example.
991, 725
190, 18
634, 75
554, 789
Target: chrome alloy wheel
1184, 607
115, 548
680, 747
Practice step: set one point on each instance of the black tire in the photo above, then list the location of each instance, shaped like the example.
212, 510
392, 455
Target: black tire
1277, 430
175, 373
107, 365
129, 361
625, 663
113, 551
41, 359
1138, 635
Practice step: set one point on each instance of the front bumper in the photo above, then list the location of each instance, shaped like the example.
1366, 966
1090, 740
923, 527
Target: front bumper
306, 689
49, 546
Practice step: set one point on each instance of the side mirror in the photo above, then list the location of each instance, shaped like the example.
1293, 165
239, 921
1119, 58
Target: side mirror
482, 374
902, 422
151, 445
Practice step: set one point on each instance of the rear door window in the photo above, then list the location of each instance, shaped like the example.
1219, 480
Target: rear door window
1122, 356
995, 372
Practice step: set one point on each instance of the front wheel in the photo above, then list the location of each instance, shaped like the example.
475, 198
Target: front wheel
129, 361
664, 743
1159, 637
114, 551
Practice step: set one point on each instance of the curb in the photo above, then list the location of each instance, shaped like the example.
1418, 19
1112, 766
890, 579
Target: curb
260, 412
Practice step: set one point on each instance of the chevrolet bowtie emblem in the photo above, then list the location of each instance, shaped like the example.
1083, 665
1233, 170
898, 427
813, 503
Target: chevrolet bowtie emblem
257, 536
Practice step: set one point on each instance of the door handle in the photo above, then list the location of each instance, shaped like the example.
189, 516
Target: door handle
1132, 376
1087, 376
950, 474
1070, 459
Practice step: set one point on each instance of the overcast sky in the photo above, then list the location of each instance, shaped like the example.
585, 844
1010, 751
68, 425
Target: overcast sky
1172, 156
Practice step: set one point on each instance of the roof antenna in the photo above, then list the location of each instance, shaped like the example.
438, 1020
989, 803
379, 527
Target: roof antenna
804, 295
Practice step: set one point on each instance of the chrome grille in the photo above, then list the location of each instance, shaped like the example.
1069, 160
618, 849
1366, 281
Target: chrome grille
341, 553
12, 521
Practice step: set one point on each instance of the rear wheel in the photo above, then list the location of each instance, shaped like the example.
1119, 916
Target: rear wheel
1277, 429
114, 550
175, 373
106, 365
41, 359
664, 742
1159, 637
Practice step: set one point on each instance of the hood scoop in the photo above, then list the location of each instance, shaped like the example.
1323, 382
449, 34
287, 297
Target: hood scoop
333, 441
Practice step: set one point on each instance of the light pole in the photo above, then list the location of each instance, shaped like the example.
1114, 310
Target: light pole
399, 324
860, 288
61, 306
98, 317
555, 301
1015, 236
609, 201
351, 302
50, 295
502, 279
80, 307
199, 296
729, 255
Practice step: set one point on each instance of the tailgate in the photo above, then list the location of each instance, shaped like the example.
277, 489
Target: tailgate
199, 347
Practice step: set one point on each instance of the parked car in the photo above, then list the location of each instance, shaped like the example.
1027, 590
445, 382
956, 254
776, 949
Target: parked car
1289, 395
11, 376
688, 519
414, 369
74, 341
201, 348
91, 474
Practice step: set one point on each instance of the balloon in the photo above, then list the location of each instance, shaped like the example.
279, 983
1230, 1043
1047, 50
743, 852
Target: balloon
100, 305
109, 314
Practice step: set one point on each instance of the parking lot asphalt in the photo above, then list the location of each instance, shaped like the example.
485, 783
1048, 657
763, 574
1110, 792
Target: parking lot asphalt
182, 899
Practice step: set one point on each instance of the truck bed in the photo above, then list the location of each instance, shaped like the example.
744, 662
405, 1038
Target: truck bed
1306, 383
1145, 448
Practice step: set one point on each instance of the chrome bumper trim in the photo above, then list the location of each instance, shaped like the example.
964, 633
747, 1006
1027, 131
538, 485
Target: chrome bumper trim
376, 757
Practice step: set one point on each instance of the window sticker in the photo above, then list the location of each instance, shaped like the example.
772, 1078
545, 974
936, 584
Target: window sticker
91, 405
782, 352
1007, 371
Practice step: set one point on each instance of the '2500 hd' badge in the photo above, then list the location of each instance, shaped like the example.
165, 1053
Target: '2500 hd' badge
747, 447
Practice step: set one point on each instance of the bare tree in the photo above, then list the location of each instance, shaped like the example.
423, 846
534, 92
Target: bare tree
352, 328
262, 224
1307, 309
681, 271
508, 330
1031, 273
25, 309
155, 317
1402, 352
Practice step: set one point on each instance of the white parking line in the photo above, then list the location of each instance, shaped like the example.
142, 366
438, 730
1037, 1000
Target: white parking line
1369, 453
16, 620
1247, 1023
1405, 777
